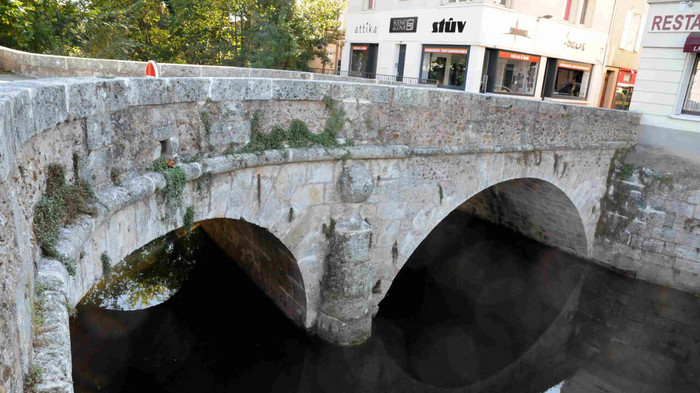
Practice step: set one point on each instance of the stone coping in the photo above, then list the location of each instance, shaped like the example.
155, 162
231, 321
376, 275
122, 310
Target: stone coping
47, 66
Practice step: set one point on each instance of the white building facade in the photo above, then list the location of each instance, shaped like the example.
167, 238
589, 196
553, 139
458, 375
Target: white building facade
538, 49
667, 91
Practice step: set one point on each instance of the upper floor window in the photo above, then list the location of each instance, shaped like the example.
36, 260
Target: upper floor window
578, 11
632, 32
691, 104
368, 4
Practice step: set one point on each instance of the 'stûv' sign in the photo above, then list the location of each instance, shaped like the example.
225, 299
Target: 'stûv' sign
403, 25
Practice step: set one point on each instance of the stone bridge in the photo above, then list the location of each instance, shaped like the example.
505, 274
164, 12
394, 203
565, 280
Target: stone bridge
347, 215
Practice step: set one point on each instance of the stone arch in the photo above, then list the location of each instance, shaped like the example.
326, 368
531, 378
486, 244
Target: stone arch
535, 208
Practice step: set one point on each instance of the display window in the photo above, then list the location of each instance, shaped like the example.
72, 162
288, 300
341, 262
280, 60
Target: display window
567, 79
363, 60
510, 73
445, 66
571, 80
691, 104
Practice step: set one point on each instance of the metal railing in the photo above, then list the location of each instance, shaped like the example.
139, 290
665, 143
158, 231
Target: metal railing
379, 77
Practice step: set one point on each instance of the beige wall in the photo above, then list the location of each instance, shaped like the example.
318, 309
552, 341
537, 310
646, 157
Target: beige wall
619, 57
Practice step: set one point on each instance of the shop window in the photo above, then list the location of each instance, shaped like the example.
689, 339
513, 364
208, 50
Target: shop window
567, 79
444, 66
510, 73
632, 32
623, 97
368, 4
363, 60
691, 104
578, 11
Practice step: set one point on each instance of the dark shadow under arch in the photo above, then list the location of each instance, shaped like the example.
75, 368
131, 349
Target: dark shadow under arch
535, 208
266, 260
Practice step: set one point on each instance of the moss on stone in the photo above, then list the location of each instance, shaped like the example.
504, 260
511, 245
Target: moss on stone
106, 263
60, 205
32, 378
188, 219
328, 229
175, 180
626, 172
297, 135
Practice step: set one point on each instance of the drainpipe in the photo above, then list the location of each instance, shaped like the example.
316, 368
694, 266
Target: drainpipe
607, 46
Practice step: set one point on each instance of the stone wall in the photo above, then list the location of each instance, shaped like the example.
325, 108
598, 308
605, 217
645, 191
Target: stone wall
110, 131
651, 221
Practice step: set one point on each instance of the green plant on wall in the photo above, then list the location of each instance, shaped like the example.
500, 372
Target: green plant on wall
297, 135
175, 180
61, 204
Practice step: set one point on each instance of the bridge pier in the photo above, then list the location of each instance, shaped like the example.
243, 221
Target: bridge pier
344, 317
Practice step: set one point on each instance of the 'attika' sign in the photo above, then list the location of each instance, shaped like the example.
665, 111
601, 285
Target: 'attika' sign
449, 26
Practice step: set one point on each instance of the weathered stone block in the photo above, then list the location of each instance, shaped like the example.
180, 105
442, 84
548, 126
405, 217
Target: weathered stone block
99, 131
300, 90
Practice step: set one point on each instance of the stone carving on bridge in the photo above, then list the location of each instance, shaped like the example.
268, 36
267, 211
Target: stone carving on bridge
355, 184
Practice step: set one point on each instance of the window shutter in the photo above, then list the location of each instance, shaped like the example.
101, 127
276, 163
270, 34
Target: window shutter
638, 44
626, 31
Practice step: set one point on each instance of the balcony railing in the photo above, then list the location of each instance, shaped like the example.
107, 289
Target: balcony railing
379, 77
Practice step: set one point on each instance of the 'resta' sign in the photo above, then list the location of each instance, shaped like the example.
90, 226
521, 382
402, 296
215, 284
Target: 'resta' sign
681, 22
403, 25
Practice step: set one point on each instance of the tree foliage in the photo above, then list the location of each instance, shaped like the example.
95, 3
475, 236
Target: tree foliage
258, 33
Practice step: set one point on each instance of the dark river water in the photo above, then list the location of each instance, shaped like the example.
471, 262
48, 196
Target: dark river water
477, 308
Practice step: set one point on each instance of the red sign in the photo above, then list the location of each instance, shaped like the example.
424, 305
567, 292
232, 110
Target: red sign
359, 47
454, 51
152, 69
519, 56
687, 22
572, 66
627, 77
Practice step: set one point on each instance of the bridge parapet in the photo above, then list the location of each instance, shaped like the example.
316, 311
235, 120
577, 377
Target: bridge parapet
429, 150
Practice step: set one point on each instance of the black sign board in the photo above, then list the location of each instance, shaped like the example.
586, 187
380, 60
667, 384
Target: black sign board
403, 25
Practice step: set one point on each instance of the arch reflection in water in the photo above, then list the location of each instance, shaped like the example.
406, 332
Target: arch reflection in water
149, 276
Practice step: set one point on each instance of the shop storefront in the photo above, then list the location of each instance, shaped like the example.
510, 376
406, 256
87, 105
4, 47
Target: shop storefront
445, 66
363, 62
476, 48
567, 79
624, 89
510, 73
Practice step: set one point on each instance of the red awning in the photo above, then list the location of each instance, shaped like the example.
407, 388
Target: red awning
692, 43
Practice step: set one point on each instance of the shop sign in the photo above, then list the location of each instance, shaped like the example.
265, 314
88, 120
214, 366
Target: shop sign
572, 66
515, 31
687, 22
360, 47
403, 25
454, 51
367, 28
519, 56
574, 44
449, 26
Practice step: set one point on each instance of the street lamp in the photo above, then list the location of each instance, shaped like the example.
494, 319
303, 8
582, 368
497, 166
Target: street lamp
544, 17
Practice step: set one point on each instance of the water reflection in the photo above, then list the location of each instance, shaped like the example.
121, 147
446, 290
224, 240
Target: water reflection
476, 309
149, 276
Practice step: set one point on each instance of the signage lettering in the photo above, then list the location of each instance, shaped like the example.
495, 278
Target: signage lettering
367, 28
403, 25
574, 44
683, 22
519, 56
359, 47
454, 51
449, 26
572, 66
